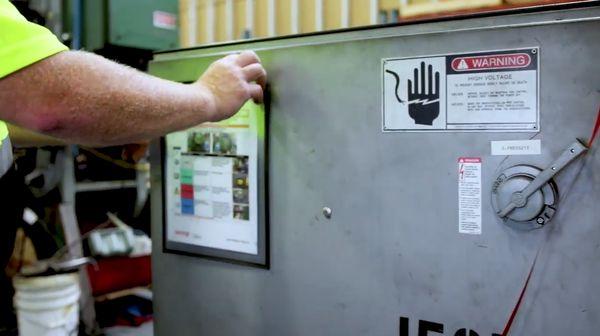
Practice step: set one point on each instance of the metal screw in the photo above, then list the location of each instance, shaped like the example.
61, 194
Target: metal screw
572, 150
327, 212
553, 168
540, 220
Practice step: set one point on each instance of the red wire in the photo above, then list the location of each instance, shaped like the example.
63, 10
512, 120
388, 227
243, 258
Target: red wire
596, 129
511, 319
518, 305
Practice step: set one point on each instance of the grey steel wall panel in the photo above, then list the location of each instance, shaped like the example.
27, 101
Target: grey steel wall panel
392, 246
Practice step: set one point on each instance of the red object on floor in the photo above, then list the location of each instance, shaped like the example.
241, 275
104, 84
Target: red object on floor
135, 321
119, 273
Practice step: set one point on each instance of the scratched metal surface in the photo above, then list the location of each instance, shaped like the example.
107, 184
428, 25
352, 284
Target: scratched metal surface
392, 246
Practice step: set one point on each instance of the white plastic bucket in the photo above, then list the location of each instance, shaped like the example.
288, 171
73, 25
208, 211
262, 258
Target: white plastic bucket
47, 306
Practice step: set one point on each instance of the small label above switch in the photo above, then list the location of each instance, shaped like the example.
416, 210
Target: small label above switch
517, 147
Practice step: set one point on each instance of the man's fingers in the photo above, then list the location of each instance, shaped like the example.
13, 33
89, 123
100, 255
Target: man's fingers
231, 58
256, 93
255, 73
246, 58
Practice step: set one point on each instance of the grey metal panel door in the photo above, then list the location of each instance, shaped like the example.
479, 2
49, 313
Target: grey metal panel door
392, 248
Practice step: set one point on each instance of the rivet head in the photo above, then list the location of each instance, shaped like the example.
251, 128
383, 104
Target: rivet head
327, 212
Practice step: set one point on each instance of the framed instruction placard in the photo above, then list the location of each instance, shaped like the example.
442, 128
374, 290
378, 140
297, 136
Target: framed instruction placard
215, 189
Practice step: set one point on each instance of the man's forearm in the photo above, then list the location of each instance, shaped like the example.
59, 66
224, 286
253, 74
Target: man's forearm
84, 98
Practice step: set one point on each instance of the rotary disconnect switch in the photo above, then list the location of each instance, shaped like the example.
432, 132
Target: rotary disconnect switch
525, 196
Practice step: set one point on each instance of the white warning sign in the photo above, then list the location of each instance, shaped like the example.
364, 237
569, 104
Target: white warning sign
482, 91
469, 195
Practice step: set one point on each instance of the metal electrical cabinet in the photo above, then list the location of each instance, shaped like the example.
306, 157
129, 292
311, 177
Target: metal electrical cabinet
148, 25
153, 26
391, 258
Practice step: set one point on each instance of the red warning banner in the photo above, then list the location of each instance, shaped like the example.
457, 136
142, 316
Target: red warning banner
491, 62
469, 160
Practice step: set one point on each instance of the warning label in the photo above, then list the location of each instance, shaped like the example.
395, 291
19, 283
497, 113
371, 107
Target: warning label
483, 91
491, 62
469, 195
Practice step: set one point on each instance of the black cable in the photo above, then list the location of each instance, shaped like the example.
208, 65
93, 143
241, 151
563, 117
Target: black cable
397, 85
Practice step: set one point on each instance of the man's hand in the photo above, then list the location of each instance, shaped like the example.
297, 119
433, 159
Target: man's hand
231, 81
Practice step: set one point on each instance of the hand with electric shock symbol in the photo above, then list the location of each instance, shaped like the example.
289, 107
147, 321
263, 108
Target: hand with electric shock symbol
424, 100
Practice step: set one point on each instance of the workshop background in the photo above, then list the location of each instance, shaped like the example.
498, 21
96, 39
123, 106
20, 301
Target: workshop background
93, 202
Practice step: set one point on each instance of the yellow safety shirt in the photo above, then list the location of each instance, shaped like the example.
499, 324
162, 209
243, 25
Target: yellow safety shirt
22, 43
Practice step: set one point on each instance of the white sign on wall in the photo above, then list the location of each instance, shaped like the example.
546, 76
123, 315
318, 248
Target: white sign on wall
482, 91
